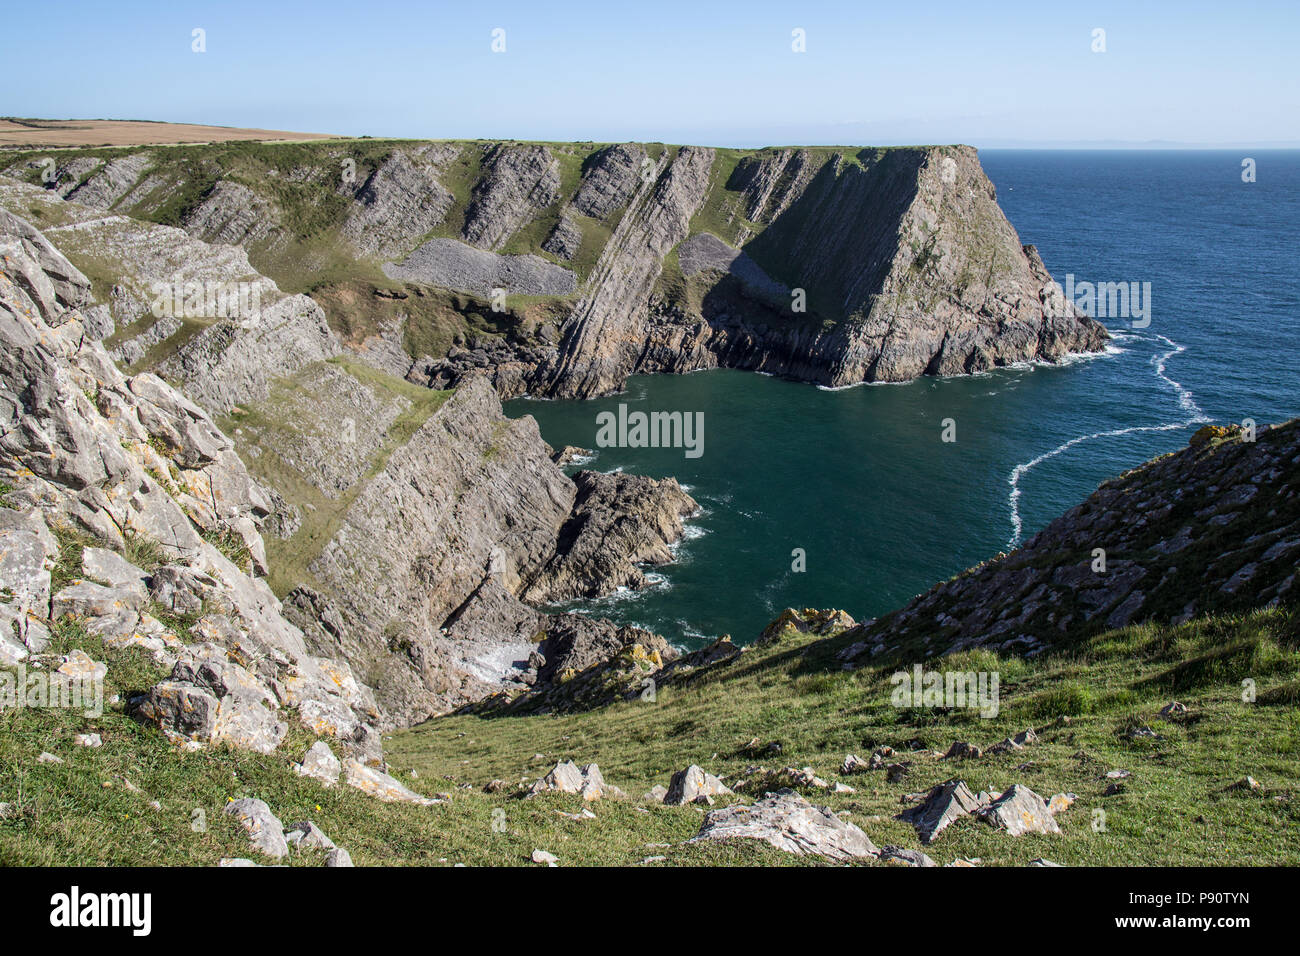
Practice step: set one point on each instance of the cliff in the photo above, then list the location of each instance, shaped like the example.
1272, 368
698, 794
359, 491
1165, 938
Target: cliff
1211, 529
131, 557
404, 526
129, 520
829, 265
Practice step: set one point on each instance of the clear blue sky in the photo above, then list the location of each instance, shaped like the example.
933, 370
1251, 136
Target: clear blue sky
718, 73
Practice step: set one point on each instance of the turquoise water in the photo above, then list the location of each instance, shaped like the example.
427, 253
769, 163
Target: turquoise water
859, 478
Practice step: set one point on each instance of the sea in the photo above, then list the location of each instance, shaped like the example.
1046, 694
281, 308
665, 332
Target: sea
852, 498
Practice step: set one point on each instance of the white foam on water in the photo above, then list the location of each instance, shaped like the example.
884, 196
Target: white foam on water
1186, 402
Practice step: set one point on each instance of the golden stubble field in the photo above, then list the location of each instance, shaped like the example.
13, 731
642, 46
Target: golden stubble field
54, 134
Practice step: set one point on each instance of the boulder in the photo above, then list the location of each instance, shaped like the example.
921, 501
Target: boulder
789, 822
906, 857
566, 777
961, 750
182, 711
80, 666
942, 806
265, 832
338, 857
305, 835
381, 786
23, 572
1019, 810
320, 764
694, 785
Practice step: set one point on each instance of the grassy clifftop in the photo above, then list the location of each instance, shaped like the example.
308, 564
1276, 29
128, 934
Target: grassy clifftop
1175, 806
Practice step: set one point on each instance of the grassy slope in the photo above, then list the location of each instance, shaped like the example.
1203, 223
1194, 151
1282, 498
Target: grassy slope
1174, 810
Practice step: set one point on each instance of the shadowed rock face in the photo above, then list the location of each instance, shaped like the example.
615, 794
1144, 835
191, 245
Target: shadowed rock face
1212, 528
906, 263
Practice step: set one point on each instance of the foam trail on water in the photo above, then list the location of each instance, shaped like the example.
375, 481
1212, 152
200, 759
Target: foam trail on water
1186, 402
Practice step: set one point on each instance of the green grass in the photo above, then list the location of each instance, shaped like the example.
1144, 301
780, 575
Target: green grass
1174, 809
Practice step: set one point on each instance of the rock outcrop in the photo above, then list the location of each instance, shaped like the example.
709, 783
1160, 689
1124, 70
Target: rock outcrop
128, 462
410, 523
788, 822
1214, 527
232, 214
603, 336
517, 183
401, 200
618, 523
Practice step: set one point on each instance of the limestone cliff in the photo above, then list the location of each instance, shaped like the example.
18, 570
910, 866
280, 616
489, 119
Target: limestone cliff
127, 516
561, 269
403, 524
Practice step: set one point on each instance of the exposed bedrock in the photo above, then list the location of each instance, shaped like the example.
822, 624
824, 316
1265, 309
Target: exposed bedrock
904, 262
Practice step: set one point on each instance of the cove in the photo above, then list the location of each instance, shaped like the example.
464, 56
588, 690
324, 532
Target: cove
860, 479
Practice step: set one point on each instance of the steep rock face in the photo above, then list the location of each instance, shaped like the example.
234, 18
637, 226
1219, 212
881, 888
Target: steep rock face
771, 184
408, 521
442, 546
904, 262
229, 363
86, 451
518, 182
565, 239
609, 180
232, 214
168, 286
618, 521
105, 187
829, 265
603, 336
400, 201
1214, 527
429, 560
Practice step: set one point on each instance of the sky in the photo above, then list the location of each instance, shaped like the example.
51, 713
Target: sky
727, 74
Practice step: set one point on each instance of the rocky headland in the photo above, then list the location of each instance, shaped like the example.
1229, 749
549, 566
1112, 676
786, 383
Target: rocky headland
280, 535
561, 269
